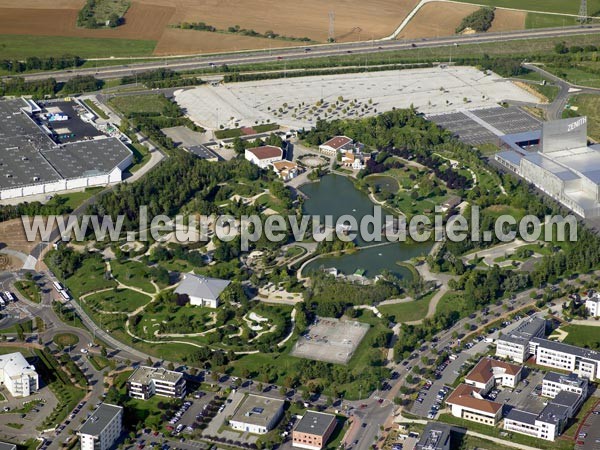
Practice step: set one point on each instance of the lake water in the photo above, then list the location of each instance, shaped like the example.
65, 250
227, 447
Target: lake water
336, 195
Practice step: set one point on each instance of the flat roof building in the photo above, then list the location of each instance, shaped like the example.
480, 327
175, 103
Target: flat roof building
436, 436
201, 290
257, 414
314, 430
553, 383
577, 360
102, 429
146, 382
18, 376
515, 344
7, 446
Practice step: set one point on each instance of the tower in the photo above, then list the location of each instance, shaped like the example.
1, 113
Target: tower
583, 12
331, 26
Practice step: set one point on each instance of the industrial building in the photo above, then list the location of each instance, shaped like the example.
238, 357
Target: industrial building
313, 430
102, 429
257, 414
55, 147
146, 382
18, 376
559, 162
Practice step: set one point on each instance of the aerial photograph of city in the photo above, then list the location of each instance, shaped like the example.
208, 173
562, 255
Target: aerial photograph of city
279, 225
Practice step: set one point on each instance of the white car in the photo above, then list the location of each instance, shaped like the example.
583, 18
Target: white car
84, 350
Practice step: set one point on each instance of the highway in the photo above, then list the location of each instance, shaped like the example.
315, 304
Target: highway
313, 51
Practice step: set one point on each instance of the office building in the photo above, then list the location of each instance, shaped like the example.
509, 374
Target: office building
515, 344
102, 429
490, 372
146, 382
18, 376
553, 383
313, 430
577, 360
257, 414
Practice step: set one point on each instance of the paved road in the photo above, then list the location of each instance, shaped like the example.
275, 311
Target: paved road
335, 49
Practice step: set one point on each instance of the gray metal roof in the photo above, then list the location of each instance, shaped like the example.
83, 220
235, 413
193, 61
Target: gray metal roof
314, 422
568, 349
202, 287
553, 413
525, 331
145, 374
547, 164
99, 419
566, 398
257, 410
202, 152
571, 379
436, 436
510, 156
519, 415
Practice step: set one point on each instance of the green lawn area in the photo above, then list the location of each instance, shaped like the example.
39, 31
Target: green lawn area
498, 210
141, 155
29, 289
90, 277
154, 103
132, 273
409, 311
548, 90
575, 75
537, 20
589, 105
583, 336
65, 339
23, 46
451, 301
120, 300
99, 362
90, 104
555, 6
268, 201
75, 199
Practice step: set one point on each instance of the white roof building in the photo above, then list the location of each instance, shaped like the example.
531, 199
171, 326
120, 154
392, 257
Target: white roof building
18, 376
202, 291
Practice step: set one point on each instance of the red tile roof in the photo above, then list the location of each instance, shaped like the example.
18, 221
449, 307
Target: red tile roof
338, 142
463, 396
266, 152
484, 370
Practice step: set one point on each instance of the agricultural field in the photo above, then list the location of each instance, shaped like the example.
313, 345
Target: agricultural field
553, 6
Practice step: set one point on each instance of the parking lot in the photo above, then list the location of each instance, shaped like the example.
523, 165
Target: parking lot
588, 435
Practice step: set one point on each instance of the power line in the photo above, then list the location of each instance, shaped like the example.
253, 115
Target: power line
583, 12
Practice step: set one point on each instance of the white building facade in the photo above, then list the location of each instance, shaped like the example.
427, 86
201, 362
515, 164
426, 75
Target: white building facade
17, 375
102, 429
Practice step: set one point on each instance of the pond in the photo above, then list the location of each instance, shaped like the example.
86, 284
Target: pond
383, 183
336, 195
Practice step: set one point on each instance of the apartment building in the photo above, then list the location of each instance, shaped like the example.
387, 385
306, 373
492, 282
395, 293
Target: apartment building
553, 383
515, 344
577, 360
148, 381
592, 304
102, 429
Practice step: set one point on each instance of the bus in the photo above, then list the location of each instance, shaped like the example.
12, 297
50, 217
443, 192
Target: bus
65, 295
9, 296
57, 286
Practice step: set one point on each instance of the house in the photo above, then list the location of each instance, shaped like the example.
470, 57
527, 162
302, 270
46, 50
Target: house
146, 382
490, 372
202, 291
18, 376
468, 403
592, 304
313, 430
286, 170
515, 345
102, 429
436, 436
335, 145
257, 414
263, 156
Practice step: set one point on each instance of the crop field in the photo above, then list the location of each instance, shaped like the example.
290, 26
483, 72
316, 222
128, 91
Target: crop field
554, 6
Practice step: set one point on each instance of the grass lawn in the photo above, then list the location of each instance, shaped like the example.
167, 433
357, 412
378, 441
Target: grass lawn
589, 105
583, 336
99, 362
555, 6
133, 273
23, 46
409, 311
90, 104
29, 289
537, 20
549, 91
75, 199
575, 75
120, 300
141, 155
268, 201
154, 103
65, 339
451, 301
90, 277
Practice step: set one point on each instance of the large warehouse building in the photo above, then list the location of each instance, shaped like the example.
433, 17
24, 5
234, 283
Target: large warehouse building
559, 162
55, 148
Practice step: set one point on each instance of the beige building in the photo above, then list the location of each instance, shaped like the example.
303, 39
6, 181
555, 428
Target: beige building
313, 430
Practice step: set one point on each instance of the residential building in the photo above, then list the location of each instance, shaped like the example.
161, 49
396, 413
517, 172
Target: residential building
436, 436
257, 414
336, 144
354, 160
146, 382
313, 430
18, 376
468, 403
581, 361
286, 170
264, 156
553, 383
202, 291
102, 429
515, 345
592, 304
490, 372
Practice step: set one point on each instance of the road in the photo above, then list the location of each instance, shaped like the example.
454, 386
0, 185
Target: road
315, 51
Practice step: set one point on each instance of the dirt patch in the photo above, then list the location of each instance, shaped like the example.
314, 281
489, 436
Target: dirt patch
354, 19
42, 4
175, 41
145, 22
542, 98
506, 20
13, 236
436, 19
